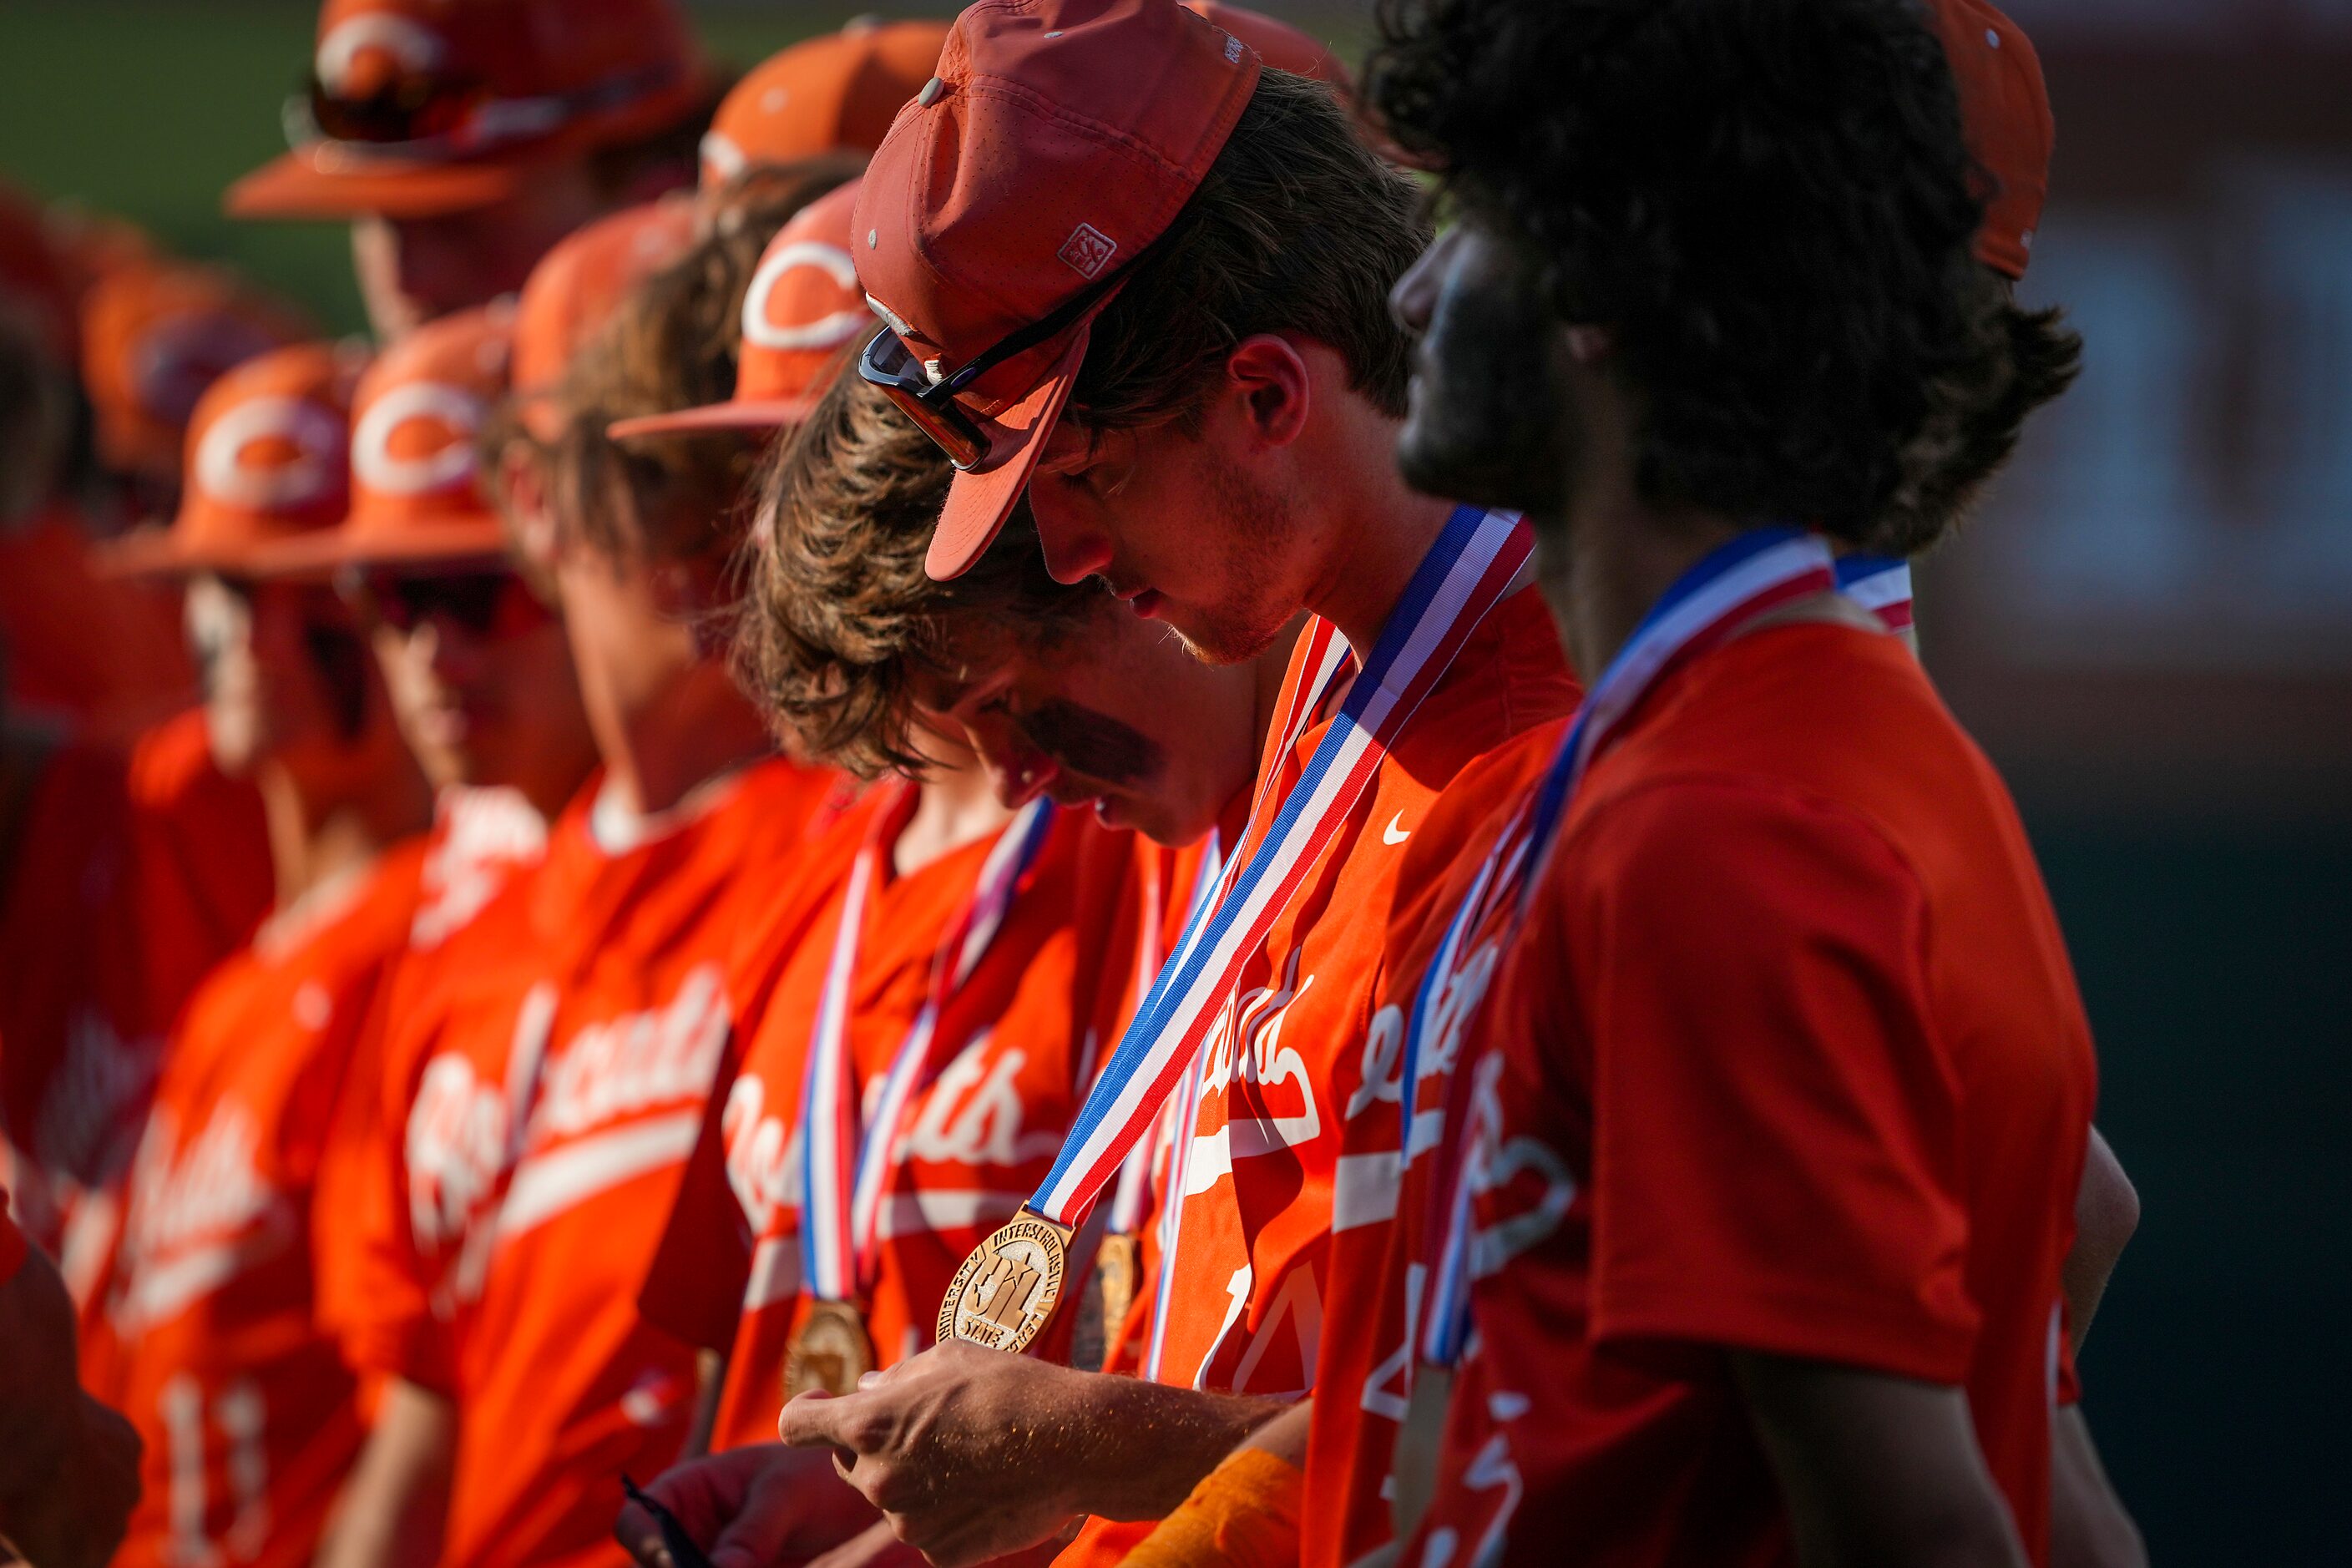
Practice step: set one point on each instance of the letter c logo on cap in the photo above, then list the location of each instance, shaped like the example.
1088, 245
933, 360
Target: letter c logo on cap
294, 480
761, 328
412, 46
447, 457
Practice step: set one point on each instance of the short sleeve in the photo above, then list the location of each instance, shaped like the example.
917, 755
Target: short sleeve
1776, 1160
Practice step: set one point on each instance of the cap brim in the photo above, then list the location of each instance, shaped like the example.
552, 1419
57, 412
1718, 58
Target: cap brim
154, 552
745, 414
294, 186
980, 500
331, 549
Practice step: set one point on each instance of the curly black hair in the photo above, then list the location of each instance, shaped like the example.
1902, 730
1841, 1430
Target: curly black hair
1769, 205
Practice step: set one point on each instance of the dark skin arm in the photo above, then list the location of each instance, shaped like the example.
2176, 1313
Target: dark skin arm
1877, 1471
972, 1454
68, 1466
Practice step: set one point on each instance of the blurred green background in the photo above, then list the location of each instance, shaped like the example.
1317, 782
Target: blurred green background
2214, 946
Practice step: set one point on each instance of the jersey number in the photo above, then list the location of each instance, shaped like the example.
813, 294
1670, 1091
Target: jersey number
239, 1416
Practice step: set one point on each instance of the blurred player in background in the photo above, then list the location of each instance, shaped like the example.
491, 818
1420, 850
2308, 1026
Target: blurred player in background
212, 1346
479, 664
462, 140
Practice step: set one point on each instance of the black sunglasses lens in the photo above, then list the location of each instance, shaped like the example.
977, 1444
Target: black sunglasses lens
470, 601
886, 364
411, 108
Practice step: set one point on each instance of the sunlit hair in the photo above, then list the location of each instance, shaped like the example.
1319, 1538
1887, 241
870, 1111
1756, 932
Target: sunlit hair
838, 614
1769, 207
1298, 227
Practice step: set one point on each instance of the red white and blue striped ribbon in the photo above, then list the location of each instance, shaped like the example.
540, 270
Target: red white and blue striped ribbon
1758, 572
1463, 575
846, 1167
1879, 584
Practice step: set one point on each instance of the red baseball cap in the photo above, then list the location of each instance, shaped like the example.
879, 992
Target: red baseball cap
801, 311
155, 332
419, 107
267, 462
578, 286
1278, 44
2005, 115
1057, 142
36, 282
834, 93
414, 496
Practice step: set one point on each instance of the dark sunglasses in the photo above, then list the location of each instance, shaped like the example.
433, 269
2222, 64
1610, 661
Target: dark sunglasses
491, 603
447, 115
931, 404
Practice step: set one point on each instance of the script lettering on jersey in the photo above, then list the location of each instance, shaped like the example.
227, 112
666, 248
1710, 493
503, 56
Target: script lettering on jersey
625, 1064
763, 1157
199, 1214
89, 1113
974, 1115
1246, 1045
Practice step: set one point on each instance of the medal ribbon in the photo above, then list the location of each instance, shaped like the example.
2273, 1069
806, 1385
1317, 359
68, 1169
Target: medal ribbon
845, 1168
1746, 576
1879, 584
1463, 575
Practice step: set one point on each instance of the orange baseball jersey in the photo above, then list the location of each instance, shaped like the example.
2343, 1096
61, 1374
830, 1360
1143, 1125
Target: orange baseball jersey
104, 654
137, 871
482, 841
1364, 1364
1789, 1057
247, 1410
975, 1137
1247, 1285
552, 1085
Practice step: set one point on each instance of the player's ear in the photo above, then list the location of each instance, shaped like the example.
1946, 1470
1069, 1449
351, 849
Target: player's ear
1275, 387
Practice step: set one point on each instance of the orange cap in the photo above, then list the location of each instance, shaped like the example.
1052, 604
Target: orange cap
419, 107
1278, 44
801, 311
36, 283
1042, 160
576, 288
155, 332
2005, 115
267, 462
834, 93
414, 496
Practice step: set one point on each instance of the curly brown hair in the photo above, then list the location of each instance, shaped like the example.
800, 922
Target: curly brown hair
838, 614
1769, 206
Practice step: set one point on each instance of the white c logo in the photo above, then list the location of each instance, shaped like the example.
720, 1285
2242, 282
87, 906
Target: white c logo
416, 47
315, 433
828, 332
445, 465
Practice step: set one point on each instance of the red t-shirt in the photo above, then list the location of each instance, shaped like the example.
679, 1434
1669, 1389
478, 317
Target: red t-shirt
1364, 1367
551, 1087
212, 1349
1791, 1058
1249, 1287
979, 1136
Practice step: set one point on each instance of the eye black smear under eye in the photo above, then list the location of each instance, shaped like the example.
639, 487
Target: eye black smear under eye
1092, 744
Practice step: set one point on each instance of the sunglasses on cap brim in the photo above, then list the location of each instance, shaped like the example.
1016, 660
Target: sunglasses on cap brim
443, 116
930, 402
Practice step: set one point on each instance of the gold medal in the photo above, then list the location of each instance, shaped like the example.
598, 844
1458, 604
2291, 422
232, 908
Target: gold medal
1118, 1264
829, 1352
1005, 1294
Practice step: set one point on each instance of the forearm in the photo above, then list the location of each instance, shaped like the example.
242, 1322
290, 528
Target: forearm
395, 1502
39, 1392
2088, 1525
2106, 1212
1138, 1448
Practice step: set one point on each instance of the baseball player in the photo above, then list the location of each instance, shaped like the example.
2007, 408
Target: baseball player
1211, 469
248, 1414
1824, 1306
461, 141
835, 94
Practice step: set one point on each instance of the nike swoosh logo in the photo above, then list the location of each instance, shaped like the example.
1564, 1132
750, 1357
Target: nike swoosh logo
1393, 834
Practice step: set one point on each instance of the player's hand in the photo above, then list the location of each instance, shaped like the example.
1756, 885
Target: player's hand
966, 1451
749, 1508
78, 1518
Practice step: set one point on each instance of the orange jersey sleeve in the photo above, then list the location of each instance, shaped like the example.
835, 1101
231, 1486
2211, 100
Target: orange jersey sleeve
242, 1402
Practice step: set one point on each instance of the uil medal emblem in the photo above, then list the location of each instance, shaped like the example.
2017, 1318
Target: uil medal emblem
829, 1352
1005, 1294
